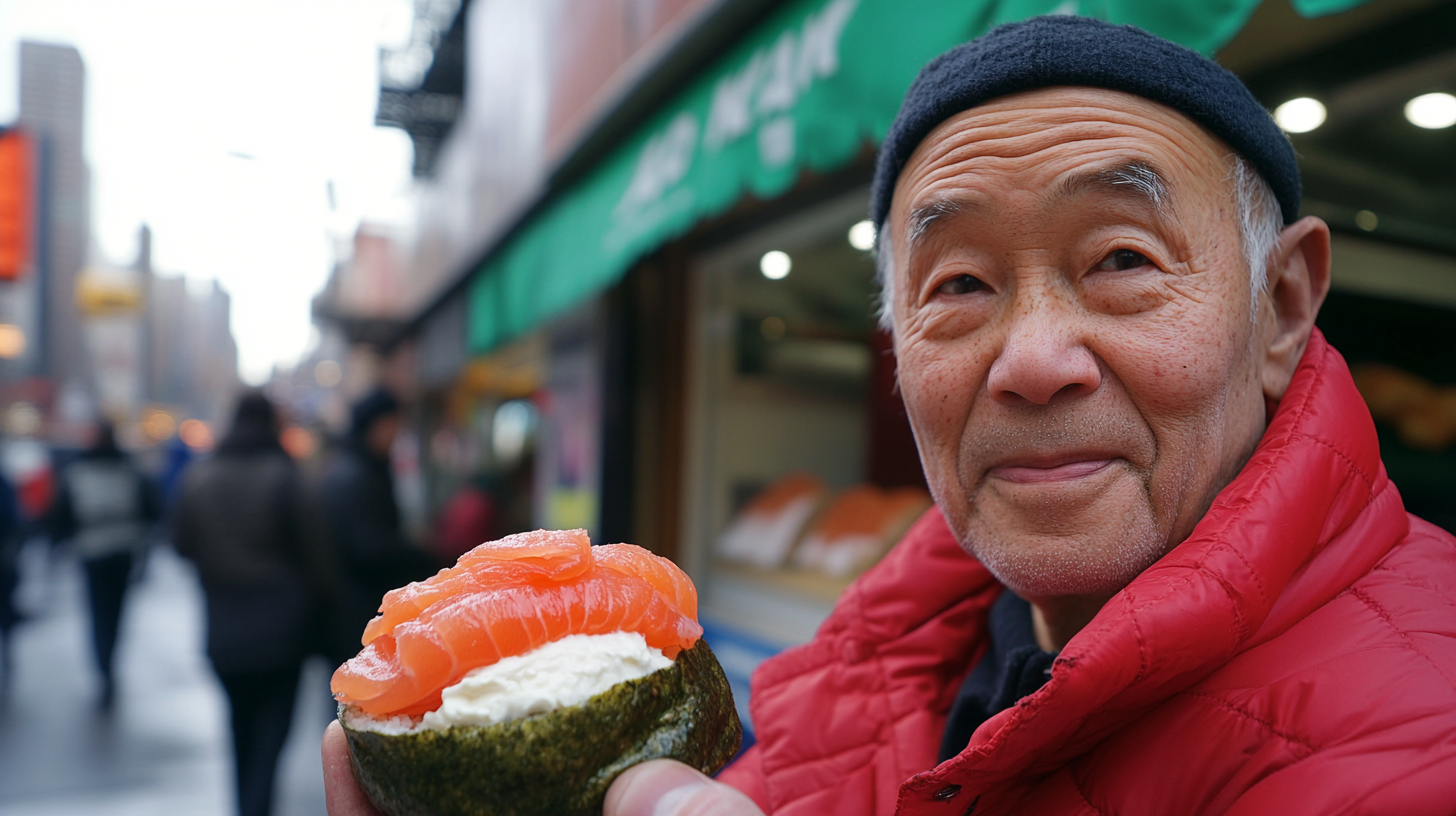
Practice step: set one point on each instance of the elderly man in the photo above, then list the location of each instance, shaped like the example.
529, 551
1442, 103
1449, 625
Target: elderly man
1166, 572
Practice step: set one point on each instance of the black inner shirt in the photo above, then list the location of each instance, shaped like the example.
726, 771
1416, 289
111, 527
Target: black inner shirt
1014, 666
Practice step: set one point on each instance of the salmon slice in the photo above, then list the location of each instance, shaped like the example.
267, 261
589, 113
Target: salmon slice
507, 598
554, 555
629, 559
563, 553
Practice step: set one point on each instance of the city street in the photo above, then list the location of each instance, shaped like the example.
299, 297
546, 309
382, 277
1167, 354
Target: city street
165, 747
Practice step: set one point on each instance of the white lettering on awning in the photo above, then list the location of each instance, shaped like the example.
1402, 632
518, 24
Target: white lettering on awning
777, 75
764, 89
664, 161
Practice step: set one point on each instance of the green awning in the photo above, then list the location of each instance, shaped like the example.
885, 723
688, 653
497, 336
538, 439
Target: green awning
816, 82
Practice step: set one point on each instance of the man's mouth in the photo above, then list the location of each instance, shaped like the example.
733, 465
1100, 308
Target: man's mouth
1055, 470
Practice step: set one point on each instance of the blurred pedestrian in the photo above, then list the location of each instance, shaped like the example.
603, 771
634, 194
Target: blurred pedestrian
370, 551
470, 516
240, 518
10, 541
178, 456
105, 506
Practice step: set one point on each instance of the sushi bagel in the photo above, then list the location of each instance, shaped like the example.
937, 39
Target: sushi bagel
526, 677
560, 762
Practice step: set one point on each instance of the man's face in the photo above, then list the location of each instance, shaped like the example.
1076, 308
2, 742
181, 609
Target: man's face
1075, 341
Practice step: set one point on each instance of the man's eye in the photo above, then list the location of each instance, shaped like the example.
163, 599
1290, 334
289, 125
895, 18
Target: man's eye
1121, 260
961, 285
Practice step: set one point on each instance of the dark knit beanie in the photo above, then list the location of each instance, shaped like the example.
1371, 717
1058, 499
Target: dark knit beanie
1045, 52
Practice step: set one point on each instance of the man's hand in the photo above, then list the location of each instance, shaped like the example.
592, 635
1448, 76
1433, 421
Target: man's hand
342, 795
658, 788
663, 787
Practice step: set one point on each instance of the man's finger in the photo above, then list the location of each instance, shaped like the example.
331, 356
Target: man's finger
342, 795
667, 788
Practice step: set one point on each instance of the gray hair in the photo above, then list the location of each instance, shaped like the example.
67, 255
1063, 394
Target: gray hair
1260, 223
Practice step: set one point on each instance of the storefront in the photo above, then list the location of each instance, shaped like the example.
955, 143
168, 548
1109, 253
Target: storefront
712, 381
1380, 167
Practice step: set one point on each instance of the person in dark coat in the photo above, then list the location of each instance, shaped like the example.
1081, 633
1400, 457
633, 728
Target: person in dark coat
371, 554
105, 506
240, 518
10, 541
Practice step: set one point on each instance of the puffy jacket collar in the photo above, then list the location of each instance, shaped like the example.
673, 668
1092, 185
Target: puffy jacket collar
1251, 568
1247, 573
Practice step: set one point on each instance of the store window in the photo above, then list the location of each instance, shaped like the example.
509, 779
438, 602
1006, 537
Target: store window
1372, 116
786, 505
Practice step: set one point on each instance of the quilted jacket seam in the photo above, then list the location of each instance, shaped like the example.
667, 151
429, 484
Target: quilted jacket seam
1231, 707
796, 672
886, 711
790, 801
1133, 609
819, 669
1354, 807
1420, 583
1359, 471
871, 743
1405, 637
1077, 786
826, 758
1319, 377
1229, 592
1137, 631
1264, 599
1448, 544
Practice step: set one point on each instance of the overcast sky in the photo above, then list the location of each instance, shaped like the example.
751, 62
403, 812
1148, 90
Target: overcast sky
221, 123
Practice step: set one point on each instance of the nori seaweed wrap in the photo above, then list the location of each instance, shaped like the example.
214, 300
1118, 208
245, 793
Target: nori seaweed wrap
560, 762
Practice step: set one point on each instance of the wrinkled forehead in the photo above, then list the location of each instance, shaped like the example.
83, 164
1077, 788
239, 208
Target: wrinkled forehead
1065, 139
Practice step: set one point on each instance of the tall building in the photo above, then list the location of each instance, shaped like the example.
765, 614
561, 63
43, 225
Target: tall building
215, 373
52, 109
189, 359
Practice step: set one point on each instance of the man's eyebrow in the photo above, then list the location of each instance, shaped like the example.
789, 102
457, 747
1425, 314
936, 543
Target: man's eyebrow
922, 217
1134, 179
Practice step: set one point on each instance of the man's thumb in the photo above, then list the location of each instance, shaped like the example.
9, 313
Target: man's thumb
663, 787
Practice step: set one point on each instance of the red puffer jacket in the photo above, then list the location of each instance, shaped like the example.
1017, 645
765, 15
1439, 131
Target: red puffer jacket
1296, 655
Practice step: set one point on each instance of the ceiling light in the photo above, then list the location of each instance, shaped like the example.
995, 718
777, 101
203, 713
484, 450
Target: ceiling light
862, 236
775, 265
1432, 110
1300, 115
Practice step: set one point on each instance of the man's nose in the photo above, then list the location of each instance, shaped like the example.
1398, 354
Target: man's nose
1044, 357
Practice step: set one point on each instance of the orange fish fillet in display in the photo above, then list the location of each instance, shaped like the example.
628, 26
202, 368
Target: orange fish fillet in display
505, 598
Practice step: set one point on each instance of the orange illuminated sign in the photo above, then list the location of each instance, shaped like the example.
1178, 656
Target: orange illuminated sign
14, 203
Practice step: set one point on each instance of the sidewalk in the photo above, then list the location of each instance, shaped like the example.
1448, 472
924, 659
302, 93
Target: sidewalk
165, 749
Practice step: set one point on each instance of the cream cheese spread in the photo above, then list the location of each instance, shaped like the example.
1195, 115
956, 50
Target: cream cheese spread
562, 673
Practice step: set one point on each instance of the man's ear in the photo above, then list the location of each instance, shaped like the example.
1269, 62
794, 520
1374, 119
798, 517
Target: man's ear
1299, 279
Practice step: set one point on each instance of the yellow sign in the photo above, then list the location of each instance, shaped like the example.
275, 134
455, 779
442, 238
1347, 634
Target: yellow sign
105, 292
570, 508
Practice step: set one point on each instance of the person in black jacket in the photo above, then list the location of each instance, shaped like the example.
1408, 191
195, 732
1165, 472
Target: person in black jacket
10, 542
105, 507
370, 552
240, 517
